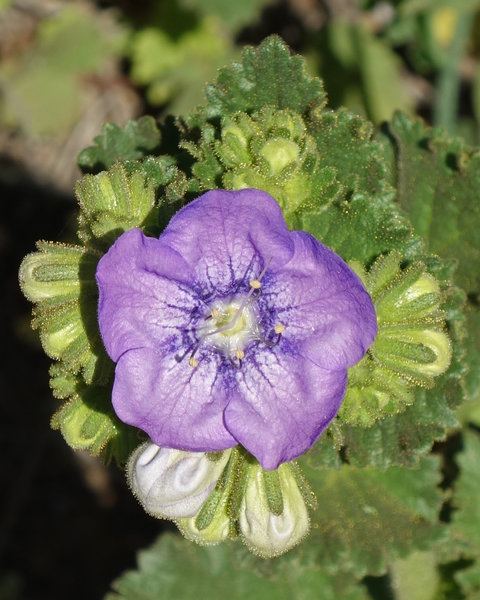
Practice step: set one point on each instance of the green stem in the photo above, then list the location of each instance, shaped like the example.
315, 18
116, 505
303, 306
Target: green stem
448, 82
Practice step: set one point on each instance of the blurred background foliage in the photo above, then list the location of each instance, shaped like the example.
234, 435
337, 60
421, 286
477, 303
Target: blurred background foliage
67, 66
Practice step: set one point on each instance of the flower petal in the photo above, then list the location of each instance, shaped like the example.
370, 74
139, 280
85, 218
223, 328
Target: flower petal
144, 297
323, 305
220, 233
178, 406
282, 405
170, 483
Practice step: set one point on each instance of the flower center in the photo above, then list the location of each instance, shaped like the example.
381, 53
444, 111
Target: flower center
232, 325
227, 323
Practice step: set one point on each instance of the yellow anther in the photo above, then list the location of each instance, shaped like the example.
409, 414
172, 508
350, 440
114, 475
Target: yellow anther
279, 329
239, 354
193, 362
215, 313
255, 284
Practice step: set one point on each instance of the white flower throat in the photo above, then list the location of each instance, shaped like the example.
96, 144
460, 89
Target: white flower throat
232, 324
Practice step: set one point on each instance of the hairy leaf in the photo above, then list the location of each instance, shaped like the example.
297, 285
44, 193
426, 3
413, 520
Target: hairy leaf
368, 517
176, 568
437, 181
266, 76
136, 140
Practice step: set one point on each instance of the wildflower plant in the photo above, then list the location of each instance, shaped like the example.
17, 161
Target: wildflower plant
265, 323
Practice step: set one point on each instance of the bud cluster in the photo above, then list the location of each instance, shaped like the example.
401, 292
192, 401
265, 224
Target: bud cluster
216, 496
269, 150
411, 347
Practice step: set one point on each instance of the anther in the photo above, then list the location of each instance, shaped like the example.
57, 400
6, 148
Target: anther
278, 329
255, 284
239, 354
215, 313
193, 362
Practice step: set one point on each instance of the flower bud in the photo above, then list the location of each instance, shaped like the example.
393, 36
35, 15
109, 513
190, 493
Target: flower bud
268, 150
265, 530
411, 347
217, 530
173, 484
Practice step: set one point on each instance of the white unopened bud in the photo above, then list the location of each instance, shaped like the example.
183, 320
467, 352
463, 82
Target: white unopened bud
172, 484
265, 533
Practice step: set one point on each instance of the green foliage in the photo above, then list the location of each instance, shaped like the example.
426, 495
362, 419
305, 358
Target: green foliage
175, 568
42, 90
466, 519
233, 14
136, 140
266, 76
437, 179
416, 577
360, 70
176, 54
367, 518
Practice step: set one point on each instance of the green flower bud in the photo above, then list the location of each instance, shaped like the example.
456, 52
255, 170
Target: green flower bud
411, 347
212, 524
60, 279
268, 150
273, 516
83, 421
113, 202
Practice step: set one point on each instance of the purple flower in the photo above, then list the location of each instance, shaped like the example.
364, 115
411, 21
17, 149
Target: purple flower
231, 329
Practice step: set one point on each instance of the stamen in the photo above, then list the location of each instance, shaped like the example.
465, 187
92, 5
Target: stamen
278, 329
235, 364
239, 354
236, 316
193, 362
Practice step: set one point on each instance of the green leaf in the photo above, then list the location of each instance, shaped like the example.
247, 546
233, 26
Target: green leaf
437, 181
344, 142
466, 518
367, 518
136, 140
362, 228
470, 412
266, 76
176, 568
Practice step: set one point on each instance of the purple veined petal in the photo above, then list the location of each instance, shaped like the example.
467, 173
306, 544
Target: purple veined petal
323, 305
221, 232
178, 406
281, 405
144, 294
